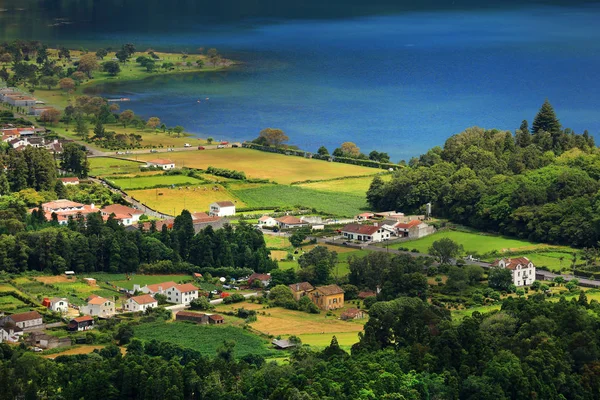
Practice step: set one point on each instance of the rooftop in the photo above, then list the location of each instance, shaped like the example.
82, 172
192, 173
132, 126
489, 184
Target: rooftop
360, 229
302, 286
289, 220
224, 204
330, 290
158, 286
144, 299
26, 316
160, 161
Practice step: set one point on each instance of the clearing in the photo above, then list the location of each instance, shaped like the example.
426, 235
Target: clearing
174, 200
121, 280
100, 166
148, 182
258, 164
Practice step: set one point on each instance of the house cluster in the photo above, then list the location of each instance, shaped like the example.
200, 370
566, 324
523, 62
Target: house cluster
19, 138
18, 99
174, 292
12, 327
200, 221
330, 297
521, 269
285, 222
393, 225
213, 319
65, 209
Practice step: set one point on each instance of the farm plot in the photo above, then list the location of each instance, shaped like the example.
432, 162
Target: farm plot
290, 196
274, 167
154, 181
204, 338
100, 166
122, 281
197, 199
11, 304
355, 186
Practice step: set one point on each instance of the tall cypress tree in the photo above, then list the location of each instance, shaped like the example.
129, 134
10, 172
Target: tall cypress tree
546, 120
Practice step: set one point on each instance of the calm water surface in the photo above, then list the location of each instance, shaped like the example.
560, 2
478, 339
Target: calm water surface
395, 79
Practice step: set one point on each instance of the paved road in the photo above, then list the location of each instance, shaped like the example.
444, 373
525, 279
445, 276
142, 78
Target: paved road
94, 152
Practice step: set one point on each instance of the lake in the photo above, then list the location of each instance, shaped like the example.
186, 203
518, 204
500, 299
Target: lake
388, 76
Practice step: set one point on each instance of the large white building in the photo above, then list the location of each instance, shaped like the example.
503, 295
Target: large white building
140, 303
222, 209
58, 304
521, 269
99, 306
26, 321
366, 233
182, 294
157, 288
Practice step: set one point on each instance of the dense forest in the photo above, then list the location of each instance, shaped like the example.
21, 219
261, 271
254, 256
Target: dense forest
540, 183
530, 349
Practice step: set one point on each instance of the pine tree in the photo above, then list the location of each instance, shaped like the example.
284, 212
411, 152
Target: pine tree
99, 131
81, 128
509, 143
546, 120
522, 136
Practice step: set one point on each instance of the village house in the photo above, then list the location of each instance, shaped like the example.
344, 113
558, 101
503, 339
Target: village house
99, 307
522, 270
413, 229
216, 319
157, 288
10, 333
19, 100
366, 233
58, 304
26, 321
182, 294
328, 297
352, 313
45, 341
125, 215
301, 289
290, 222
265, 220
84, 323
66, 208
265, 279
222, 209
191, 316
161, 163
364, 216
38, 111
69, 181
140, 303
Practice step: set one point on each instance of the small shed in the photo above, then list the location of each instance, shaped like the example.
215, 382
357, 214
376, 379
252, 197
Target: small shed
215, 319
283, 344
352, 313
90, 281
70, 273
191, 316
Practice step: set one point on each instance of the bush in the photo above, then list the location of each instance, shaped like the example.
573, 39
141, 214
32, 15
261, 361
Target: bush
234, 298
227, 173
369, 301
201, 303
243, 313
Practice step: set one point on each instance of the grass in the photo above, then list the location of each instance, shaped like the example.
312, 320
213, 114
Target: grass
342, 205
355, 186
144, 280
550, 260
170, 201
150, 181
204, 338
75, 350
274, 167
320, 341
277, 242
10, 303
100, 166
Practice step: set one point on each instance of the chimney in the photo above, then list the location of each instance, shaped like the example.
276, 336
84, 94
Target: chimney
93, 206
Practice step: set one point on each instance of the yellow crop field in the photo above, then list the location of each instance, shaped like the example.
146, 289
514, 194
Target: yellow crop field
194, 199
258, 164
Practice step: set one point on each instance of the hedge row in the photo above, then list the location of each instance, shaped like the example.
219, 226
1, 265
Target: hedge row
227, 173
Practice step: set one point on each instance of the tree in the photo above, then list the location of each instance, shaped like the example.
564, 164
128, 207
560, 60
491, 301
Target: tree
179, 130
63, 52
298, 236
445, 250
74, 159
153, 122
274, 137
126, 117
78, 76
124, 334
50, 115
350, 149
111, 67
122, 55
88, 63
201, 303
546, 120
81, 128
499, 278
280, 295
49, 81
99, 131
101, 53
209, 140
322, 151
66, 84
6, 58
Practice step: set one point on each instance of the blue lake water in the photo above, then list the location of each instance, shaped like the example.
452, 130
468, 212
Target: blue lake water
399, 82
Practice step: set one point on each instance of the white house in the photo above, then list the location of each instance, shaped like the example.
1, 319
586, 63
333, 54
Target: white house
157, 288
161, 163
126, 215
521, 269
182, 294
10, 333
366, 233
19, 100
58, 304
26, 321
265, 220
99, 307
290, 222
222, 209
140, 303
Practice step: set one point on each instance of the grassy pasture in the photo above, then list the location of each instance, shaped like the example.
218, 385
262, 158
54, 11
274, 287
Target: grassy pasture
203, 338
289, 196
149, 181
320, 340
257, 164
100, 166
11, 303
175, 200
143, 280
355, 186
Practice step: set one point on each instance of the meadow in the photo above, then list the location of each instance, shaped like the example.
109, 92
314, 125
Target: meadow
203, 338
100, 166
274, 167
343, 205
354, 186
154, 181
123, 281
173, 201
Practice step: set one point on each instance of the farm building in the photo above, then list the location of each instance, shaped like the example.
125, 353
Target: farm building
81, 323
352, 313
366, 233
19, 100
290, 222
328, 297
265, 279
140, 303
191, 316
222, 209
216, 319
283, 344
26, 321
301, 289
162, 163
521, 269
90, 281
60, 305
413, 229
99, 306
10, 333
45, 341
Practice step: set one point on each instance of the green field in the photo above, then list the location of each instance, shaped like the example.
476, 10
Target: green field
550, 260
355, 186
100, 166
203, 338
121, 280
343, 205
320, 340
258, 164
154, 181
11, 303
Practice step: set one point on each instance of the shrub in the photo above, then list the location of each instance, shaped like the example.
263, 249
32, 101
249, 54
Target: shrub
234, 298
